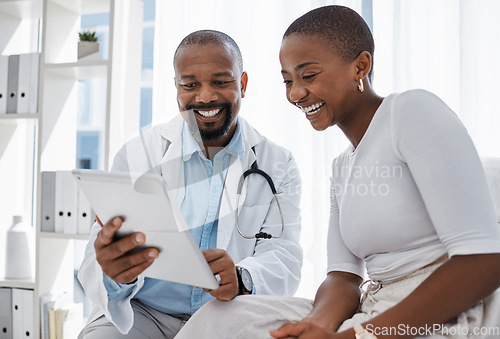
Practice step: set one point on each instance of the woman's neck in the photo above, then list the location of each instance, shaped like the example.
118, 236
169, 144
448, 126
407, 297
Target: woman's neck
355, 127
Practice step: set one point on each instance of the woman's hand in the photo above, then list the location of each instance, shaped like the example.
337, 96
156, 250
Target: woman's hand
303, 330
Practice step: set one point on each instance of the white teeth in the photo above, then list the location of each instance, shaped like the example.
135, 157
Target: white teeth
209, 114
313, 109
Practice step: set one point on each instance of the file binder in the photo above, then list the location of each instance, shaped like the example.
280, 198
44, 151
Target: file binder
48, 201
5, 313
59, 216
17, 315
59, 203
27, 330
22, 314
12, 83
86, 217
23, 86
4, 74
70, 203
33, 87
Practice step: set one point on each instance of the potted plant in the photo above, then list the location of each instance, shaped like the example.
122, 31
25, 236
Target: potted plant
88, 47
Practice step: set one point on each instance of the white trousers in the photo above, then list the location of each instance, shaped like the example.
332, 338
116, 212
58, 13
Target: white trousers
246, 316
252, 317
480, 321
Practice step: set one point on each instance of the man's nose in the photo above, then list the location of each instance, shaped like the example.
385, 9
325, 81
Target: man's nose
206, 94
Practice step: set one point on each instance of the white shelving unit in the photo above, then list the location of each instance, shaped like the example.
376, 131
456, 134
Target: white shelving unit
19, 34
47, 140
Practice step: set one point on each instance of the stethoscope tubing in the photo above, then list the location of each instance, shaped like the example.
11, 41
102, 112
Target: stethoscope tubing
275, 194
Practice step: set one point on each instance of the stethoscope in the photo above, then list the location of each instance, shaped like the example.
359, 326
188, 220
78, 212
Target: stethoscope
254, 169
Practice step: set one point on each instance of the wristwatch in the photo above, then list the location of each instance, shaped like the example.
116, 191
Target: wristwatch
245, 283
362, 333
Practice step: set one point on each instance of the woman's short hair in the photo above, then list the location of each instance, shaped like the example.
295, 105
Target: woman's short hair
341, 27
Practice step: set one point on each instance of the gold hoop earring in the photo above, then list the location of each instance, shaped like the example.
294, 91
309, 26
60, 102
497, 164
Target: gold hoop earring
361, 87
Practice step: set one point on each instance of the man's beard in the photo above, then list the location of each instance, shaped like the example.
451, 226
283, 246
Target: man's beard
219, 133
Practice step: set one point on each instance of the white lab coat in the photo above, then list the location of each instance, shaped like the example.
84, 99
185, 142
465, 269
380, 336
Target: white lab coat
274, 264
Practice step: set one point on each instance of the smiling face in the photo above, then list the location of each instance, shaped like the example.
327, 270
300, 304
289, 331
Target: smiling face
210, 83
317, 80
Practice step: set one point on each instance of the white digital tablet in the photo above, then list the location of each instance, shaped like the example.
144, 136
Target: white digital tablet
145, 207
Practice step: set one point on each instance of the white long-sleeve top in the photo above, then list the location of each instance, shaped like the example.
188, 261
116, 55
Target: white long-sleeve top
413, 190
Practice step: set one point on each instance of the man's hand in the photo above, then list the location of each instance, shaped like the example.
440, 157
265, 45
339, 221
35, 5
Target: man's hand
113, 256
221, 263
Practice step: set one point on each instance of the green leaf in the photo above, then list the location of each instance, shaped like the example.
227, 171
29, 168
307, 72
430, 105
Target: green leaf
87, 36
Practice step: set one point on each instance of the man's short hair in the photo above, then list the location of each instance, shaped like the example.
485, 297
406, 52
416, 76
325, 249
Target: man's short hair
341, 27
211, 37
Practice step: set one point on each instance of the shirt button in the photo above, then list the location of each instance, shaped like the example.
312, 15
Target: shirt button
196, 299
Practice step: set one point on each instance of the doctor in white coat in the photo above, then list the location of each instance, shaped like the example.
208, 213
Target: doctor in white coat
201, 154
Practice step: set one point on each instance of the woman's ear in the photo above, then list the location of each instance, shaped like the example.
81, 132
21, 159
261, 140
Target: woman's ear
363, 64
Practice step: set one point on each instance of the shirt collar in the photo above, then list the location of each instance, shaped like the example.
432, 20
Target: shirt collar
189, 145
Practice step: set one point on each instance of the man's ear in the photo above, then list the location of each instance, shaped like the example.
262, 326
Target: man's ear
175, 82
363, 64
243, 83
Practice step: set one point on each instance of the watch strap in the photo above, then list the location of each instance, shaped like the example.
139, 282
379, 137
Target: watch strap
241, 286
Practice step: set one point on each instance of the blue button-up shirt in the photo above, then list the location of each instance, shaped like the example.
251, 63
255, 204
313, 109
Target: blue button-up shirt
204, 182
